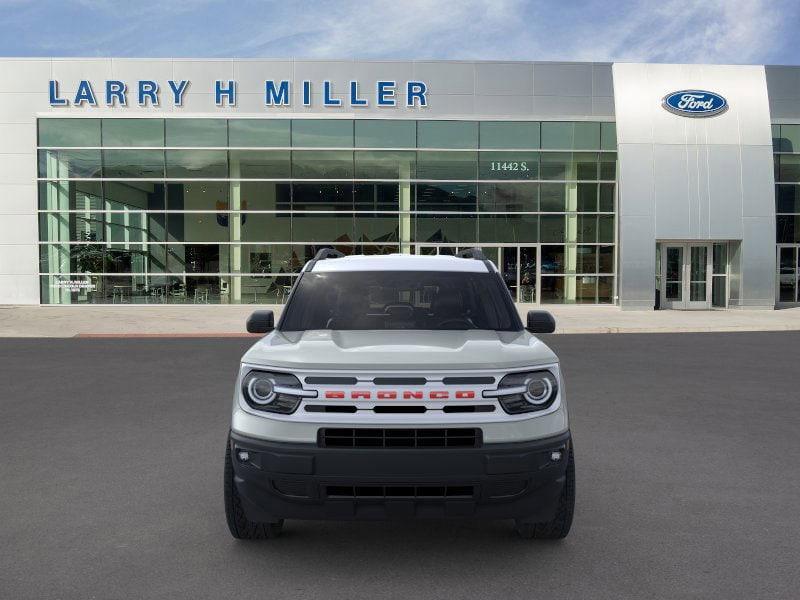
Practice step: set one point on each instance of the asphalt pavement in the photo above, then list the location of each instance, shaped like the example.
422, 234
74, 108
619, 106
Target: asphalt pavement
688, 482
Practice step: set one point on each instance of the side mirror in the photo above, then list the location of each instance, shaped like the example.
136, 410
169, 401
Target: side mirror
261, 321
540, 321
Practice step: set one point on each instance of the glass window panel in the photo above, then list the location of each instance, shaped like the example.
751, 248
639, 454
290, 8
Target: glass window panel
605, 260
71, 258
787, 288
508, 228
553, 197
789, 170
608, 136
198, 258
260, 164
322, 196
585, 289
447, 165
272, 258
776, 138
787, 198
558, 135
198, 195
264, 289
447, 134
197, 163
587, 136
322, 227
605, 290
322, 164
552, 290
198, 289
586, 259
134, 258
259, 133
446, 228
383, 133
552, 228
553, 259
608, 166
65, 133
556, 165
787, 263
718, 292
788, 229
70, 195
606, 197
587, 229
605, 228
133, 195
77, 227
720, 259
790, 138
377, 228
322, 133
63, 164
128, 133
509, 165
509, 134
266, 227
263, 195
147, 164
381, 196
587, 197
460, 197
585, 165
508, 197
385, 164
199, 227
199, 133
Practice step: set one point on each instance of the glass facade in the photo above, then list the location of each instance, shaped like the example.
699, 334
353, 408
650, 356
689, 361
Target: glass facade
786, 148
228, 210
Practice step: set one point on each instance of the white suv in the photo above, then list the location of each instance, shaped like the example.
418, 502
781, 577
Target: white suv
399, 387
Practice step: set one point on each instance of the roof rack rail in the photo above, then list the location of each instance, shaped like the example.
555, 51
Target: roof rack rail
328, 253
475, 253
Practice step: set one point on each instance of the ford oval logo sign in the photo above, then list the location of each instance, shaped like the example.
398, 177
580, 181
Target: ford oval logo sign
695, 103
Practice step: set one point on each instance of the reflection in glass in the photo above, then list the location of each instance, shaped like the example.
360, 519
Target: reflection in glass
509, 134
446, 228
385, 164
322, 133
384, 133
322, 164
199, 133
132, 164
508, 197
460, 197
260, 164
447, 134
63, 164
65, 133
259, 133
128, 133
508, 228
509, 165
447, 165
197, 164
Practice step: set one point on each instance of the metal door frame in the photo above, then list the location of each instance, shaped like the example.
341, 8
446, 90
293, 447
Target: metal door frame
685, 303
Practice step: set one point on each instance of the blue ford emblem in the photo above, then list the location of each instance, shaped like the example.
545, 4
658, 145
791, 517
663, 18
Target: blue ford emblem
695, 103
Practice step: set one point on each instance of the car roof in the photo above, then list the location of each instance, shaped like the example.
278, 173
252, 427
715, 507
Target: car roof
399, 262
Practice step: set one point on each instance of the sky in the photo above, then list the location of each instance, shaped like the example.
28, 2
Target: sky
680, 31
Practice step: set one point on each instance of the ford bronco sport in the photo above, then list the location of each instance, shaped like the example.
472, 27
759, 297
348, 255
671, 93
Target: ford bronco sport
399, 386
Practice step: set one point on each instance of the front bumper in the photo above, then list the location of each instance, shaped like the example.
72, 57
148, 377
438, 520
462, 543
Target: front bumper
303, 481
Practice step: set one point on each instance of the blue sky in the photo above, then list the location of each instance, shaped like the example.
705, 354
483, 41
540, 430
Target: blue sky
712, 31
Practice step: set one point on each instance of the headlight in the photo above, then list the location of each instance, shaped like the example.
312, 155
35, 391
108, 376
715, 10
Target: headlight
273, 392
526, 392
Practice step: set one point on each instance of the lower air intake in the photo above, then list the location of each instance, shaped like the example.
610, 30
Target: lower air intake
400, 438
400, 491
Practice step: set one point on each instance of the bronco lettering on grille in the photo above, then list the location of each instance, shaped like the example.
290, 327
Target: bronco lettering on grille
394, 395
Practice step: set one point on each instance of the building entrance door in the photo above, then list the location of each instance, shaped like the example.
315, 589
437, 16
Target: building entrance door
686, 275
518, 266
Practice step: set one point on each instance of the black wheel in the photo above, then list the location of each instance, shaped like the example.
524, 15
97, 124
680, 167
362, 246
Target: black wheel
241, 528
559, 526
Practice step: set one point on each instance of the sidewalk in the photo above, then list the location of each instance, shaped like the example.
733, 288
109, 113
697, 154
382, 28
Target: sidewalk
228, 320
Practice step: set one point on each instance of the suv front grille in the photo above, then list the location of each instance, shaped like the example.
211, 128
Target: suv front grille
400, 491
400, 438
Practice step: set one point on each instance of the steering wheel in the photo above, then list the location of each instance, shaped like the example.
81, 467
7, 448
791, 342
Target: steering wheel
467, 322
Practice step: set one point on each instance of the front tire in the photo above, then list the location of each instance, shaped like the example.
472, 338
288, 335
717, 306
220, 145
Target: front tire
239, 525
559, 526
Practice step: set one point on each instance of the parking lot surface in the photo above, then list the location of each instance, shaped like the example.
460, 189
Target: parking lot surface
688, 483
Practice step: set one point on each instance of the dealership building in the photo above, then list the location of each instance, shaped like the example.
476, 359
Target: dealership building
166, 181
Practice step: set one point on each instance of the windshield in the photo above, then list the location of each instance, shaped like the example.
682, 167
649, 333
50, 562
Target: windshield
433, 300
